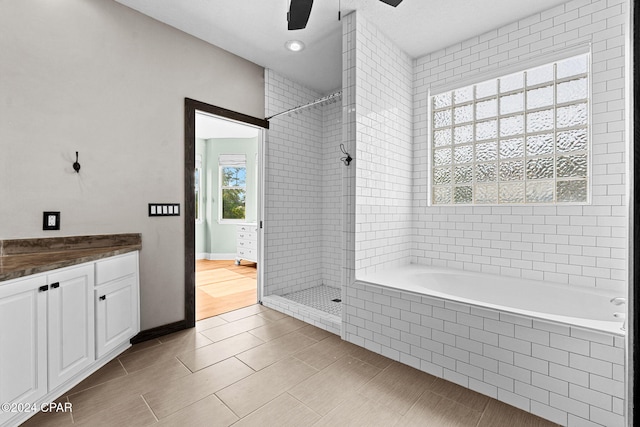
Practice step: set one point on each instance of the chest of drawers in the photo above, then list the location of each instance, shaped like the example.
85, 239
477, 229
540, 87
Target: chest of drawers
246, 243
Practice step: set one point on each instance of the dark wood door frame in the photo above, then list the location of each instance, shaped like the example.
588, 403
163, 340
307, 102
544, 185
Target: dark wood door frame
635, 238
190, 108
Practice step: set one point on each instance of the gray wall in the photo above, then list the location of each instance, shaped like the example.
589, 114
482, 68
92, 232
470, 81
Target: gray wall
96, 77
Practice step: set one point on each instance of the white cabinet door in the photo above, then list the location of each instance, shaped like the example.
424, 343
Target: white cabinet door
70, 323
116, 313
23, 342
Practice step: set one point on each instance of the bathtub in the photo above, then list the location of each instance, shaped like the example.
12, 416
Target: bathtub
578, 306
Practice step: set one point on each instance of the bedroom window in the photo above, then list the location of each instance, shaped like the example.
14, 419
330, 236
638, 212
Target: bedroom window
522, 138
233, 187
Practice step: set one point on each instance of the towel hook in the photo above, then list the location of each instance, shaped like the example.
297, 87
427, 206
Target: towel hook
76, 165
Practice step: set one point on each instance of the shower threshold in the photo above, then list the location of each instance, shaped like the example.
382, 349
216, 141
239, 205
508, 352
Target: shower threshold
316, 305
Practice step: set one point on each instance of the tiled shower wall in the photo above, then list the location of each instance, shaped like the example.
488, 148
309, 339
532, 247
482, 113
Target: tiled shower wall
332, 169
293, 212
383, 108
302, 190
578, 245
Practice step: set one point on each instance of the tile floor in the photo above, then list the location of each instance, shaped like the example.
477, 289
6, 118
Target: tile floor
318, 297
258, 367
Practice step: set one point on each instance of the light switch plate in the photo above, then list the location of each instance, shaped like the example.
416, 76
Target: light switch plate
51, 220
164, 209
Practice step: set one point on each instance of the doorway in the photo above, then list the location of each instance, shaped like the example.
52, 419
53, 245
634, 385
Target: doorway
223, 210
226, 209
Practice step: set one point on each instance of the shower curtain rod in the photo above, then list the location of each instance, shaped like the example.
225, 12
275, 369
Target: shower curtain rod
300, 107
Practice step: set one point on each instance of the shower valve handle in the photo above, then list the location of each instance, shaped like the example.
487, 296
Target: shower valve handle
618, 300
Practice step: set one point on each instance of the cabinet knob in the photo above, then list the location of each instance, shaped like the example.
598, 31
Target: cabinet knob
103, 297
44, 288
55, 285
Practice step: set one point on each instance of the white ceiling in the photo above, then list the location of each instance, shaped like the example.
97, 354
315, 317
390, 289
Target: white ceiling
208, 127
257, 29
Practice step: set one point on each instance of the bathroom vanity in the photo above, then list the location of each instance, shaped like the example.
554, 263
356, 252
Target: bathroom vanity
67, 307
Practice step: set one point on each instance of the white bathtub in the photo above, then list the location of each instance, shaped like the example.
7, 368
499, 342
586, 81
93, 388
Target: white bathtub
572, 305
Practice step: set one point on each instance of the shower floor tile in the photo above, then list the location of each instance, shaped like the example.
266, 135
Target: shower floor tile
318, 297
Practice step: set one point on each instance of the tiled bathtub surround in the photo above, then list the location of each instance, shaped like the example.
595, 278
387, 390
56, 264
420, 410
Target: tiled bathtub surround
569, 375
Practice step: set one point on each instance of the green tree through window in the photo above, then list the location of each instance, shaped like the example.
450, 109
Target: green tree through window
233, 184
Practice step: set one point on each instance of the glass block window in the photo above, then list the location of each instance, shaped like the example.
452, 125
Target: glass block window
520, 138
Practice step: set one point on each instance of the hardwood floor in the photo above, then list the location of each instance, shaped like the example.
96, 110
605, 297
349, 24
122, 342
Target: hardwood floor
222, 286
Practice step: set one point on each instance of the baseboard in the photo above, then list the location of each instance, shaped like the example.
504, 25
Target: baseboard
216, 257
159, 331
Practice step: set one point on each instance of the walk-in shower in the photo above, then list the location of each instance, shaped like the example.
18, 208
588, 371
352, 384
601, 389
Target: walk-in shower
303, 203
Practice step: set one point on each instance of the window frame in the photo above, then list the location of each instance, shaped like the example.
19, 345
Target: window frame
523, 67
221, 188
199, 217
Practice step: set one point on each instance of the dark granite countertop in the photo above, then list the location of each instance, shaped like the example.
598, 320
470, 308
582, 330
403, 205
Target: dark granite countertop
23, 257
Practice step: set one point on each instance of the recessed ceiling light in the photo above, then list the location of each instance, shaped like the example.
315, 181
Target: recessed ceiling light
294, 45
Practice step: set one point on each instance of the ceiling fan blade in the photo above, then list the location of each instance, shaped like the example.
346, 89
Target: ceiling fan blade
298, 15
393, 3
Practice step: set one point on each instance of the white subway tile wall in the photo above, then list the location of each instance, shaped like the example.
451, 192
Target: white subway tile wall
577, 245
293, 158
569, 375
349, 141
303, 191
384, 145
332, 169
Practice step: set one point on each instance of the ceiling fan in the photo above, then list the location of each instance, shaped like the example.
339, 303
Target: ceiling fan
299, 11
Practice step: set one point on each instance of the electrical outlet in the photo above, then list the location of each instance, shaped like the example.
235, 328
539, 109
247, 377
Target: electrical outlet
51, 220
